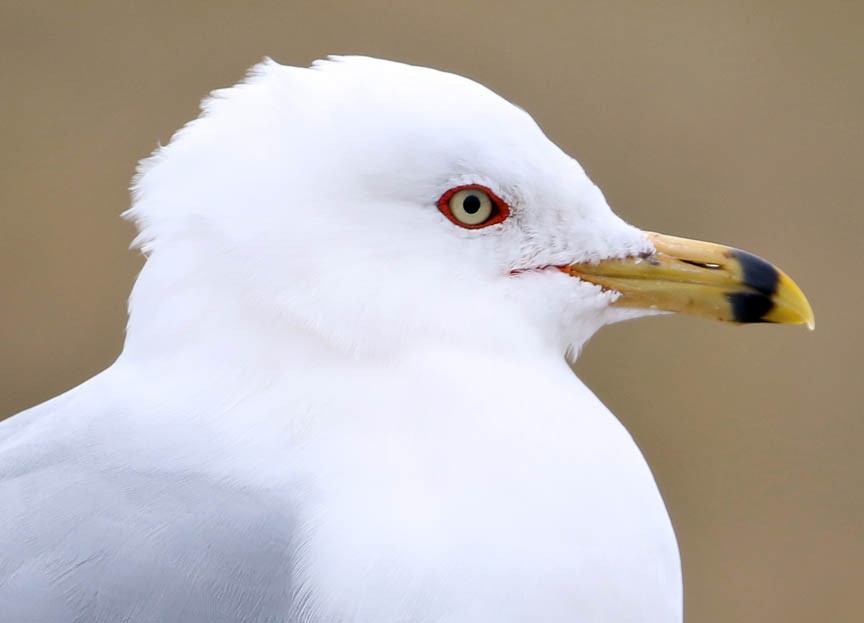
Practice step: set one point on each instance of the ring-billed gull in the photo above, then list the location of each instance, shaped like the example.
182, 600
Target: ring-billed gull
344, 393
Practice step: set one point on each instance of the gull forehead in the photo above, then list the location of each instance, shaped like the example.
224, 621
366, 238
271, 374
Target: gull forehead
353, 136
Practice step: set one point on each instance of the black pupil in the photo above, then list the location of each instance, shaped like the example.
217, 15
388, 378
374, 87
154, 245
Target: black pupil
471, 204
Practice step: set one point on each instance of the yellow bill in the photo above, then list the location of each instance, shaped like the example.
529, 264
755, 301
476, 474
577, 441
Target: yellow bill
701, 279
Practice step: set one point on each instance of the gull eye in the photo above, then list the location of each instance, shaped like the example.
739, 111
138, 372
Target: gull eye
473, 206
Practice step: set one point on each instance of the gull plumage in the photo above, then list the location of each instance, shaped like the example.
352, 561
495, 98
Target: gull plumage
335, 404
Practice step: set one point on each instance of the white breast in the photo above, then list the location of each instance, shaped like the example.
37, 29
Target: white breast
485, 491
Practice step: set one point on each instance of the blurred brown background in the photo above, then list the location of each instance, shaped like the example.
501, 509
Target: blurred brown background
739, 122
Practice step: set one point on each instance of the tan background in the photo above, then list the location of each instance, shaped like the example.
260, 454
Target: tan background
739, 122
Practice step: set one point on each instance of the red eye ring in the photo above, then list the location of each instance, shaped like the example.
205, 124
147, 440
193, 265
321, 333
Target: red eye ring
500, 209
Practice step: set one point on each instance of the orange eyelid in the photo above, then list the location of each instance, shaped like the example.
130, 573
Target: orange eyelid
500, 214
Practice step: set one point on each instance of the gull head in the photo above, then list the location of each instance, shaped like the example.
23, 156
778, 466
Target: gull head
372, 206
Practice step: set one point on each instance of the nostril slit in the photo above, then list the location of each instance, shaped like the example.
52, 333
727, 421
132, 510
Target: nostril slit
708, 265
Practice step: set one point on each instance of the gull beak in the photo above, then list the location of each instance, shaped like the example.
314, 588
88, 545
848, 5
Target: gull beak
701, 279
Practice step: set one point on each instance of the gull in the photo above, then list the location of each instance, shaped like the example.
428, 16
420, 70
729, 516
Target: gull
344, 393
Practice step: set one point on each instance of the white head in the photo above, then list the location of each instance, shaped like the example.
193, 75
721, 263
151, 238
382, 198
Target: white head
307, 200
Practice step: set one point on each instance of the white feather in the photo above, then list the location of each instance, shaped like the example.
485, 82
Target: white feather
315, 343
